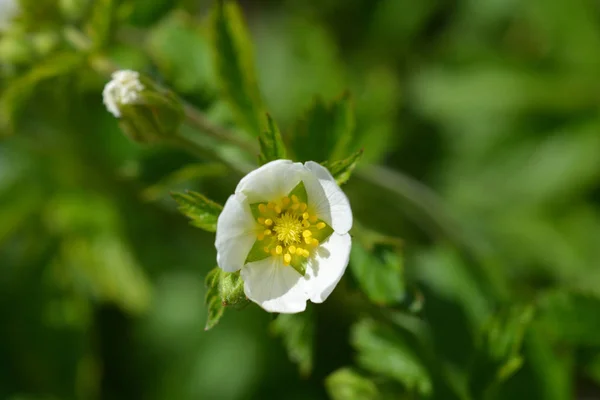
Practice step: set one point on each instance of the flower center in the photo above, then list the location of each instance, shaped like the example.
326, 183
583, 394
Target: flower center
287, 227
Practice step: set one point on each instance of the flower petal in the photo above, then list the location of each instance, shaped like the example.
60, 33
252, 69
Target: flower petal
327, 266
236, 233
271, 181
274, 286
330, 202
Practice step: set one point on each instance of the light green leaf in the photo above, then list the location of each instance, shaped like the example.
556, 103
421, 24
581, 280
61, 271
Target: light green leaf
498, 354
234, 65
376, 264
325, 132
297, 332
342, 169
383, 351
347, 384
202, 211
213, 298
271, 144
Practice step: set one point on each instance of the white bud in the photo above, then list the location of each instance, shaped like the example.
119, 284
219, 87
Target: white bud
124, 88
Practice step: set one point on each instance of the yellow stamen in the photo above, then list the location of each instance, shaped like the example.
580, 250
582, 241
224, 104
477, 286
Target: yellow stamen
292, 249
307, 240
266, 249
303, 207
315, 242
321, 225
268, 222
305, 253
261, 220
271, 205
267, 232
277, 209
286, 200
287, 258
261, 236
278, 249
295, 206
305, 215
313, 219
305, 223
295, 198
262, 208
307, 233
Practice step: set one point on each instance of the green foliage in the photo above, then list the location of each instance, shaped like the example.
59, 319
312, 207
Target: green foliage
342, 169
498, 354
202, 211
100, 27
271, 144
298, 334
383, 351
325, 131
347, 384
234, 65
377, 266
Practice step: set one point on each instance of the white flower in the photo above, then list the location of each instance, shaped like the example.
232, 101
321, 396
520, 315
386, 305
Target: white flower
286, 227
8, 10
124, 88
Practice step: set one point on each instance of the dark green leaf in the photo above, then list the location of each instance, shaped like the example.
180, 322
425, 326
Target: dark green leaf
376, 264
202, 211
213, 298
325, 131
347, 384
234, 65
342, 169
271, 144
297, 333
384, 352
498, 354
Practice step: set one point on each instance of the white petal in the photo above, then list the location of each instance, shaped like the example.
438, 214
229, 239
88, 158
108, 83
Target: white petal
235, 233
271, 181
327, 266
274, 286
330, 202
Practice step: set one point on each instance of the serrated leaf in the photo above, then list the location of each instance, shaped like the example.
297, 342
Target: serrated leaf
202, 211
348, 384
234, 65
213, 298
271, 143
383, 351
498, 350
297, 333
342, 169
325, 131
376, 264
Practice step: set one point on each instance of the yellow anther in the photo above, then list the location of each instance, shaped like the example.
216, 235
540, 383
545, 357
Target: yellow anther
292, 249
295, 206
268, 222
285, 201
305, 223
287, 258
261, 220
262, 208
261, 236
307, 233
304, 252
305, 215
307, 240
266, 249
295, 198
303, 207
278, 249
277, 209
313, 219
315, 242
267, 232
321, 225
271, 205
273, 252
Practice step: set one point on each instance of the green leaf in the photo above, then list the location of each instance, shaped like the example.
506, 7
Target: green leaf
498, 354
376, 264
325, 132
342, 169
347, 384
202, 211
297, 332
383, 351
213, 298
234, 65
101, 23
271, 144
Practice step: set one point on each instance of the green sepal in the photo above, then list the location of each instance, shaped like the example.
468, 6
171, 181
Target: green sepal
213, 298
271, 143
203, 212
300, 191
231, 289
224, 289
341, 170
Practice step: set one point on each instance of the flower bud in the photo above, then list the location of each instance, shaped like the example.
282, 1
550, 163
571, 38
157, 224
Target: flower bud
231, 289
147, 112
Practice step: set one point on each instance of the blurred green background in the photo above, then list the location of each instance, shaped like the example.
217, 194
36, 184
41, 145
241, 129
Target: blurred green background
480, 125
